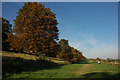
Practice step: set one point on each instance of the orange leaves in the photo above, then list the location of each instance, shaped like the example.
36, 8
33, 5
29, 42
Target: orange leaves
69, 53
73, 59
10, 35
35, 29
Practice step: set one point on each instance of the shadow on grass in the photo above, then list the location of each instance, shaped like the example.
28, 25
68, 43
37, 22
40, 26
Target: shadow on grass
81, 62
11, 65
101, 75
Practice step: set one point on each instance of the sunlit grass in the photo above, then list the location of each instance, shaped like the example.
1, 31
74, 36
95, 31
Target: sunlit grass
32, 57
21, 55
102, 68
102, 71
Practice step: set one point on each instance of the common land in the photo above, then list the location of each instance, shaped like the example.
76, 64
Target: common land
18, 65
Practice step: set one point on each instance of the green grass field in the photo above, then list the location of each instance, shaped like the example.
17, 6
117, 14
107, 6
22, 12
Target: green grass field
66, 71
102, 71
30, 67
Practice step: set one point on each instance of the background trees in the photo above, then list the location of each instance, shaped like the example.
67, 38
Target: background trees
6, 28
69, 53
65, 50
77, 55
35, 30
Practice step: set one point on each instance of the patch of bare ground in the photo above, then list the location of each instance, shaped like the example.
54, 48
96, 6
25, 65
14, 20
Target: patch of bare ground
83, 70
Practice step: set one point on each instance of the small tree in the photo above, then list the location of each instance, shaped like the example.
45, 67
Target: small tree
108, 60
98, 59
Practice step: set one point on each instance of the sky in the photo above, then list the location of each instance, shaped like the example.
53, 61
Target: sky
91, 27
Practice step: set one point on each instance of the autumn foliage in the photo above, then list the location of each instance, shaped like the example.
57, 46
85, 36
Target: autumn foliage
68, 52
35, 30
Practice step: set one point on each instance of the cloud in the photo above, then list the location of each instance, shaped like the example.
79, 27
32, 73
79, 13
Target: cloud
103, 50
84, 38
93, 48
89, 38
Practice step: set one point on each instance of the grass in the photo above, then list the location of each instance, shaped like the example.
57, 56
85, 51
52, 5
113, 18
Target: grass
29, 66
66, 71
24, 56
32, 57
21, 65
13, 63
102, 71
102, 68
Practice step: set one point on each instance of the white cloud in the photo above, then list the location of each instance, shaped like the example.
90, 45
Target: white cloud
89, 38
92, 49
103, 51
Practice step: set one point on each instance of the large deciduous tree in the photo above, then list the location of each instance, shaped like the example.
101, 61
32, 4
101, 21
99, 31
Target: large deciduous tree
35, 30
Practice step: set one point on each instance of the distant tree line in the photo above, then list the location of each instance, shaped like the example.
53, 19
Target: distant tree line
35, 32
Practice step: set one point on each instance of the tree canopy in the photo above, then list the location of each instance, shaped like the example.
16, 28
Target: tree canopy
6, 28
68, 52
35, 30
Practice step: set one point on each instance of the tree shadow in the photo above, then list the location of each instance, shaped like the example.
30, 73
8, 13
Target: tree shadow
11, 65
80, 62
101, 75
86, 62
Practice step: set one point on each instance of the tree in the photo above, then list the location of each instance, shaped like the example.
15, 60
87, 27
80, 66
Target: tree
108, 60
65, 50
77, 55
36, 29
6, 28
17, 42
98, 59
69, 53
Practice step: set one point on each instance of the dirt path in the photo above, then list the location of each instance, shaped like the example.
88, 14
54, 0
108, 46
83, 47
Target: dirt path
84, 69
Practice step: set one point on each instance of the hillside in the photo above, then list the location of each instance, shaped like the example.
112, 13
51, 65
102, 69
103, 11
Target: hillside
18, 62
32, 57
17, 65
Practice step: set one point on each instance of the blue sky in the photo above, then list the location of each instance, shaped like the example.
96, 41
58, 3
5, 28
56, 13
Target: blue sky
91, 27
